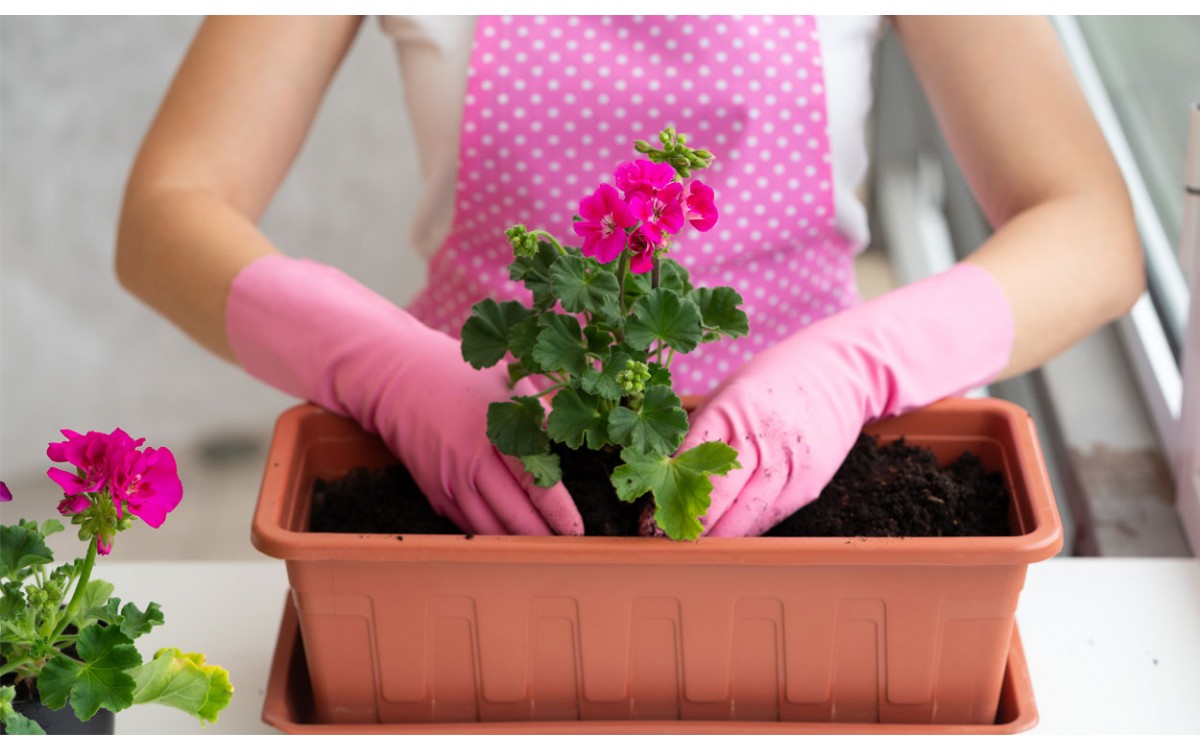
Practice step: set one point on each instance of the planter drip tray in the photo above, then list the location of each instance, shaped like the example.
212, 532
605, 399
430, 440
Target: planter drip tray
289, 708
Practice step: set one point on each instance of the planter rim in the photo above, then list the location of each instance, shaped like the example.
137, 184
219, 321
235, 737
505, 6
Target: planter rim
1043, 539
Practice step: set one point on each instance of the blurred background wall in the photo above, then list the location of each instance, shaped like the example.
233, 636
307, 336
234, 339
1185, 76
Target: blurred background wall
76, 97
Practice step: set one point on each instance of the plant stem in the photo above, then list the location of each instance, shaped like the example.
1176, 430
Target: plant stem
622, 265
670, 354
13, 666
551, 389
77, 597
550, 238
654, 274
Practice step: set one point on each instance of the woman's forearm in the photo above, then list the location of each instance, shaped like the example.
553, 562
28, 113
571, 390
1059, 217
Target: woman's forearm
179, 250
1068, 266
228, 130
1065, 249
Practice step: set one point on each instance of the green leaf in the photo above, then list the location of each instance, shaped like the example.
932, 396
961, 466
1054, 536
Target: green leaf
12, 604
598, 338
560, 345
534, 272
658, 427
583, 285
659, 375
664, 315
719, 311
183, 681
603, 382
681, 487
51, 526
14, 722
94, 603
576, 417
515, 426
101, 680
521, 340
136, 623
672, 275
485, 335
22, 545
544, 467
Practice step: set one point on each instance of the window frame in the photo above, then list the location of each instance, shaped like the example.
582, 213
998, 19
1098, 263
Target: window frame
1156, 334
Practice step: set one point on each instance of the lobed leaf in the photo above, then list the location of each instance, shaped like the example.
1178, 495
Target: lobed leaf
544, 467
659, 375
21, 546
664, 315
719, 311
672, 275
560, 345
680, 485
658, 427
13, 721
94, 601
534, 272
603, 382
582, 285
183, 681
99, 680
485, 335
515, 426
521, 339
577, 417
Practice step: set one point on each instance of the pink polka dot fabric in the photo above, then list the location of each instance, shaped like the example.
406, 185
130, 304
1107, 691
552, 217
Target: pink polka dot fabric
553, 105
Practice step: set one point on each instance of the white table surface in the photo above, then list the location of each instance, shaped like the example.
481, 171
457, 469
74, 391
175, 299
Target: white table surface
1113, 645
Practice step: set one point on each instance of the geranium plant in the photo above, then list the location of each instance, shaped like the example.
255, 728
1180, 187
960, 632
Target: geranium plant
606, 322
65, 637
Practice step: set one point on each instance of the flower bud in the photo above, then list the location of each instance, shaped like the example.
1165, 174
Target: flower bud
523, 243
632, 380
642, 147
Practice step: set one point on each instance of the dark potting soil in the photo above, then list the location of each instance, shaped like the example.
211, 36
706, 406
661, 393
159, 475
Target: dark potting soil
375, 501
895, 490
899, 490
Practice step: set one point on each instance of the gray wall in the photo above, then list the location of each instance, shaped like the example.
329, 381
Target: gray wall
76, 351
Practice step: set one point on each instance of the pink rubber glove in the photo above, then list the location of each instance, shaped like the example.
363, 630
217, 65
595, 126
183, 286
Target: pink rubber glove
315, 333
794, 412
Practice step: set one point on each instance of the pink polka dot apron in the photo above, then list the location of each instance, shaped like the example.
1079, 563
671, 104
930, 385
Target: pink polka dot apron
554, 104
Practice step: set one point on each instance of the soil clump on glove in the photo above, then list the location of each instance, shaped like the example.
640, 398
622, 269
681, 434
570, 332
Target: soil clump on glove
898, 490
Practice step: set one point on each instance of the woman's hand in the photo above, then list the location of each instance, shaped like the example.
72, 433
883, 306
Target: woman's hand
314, 332
793, 412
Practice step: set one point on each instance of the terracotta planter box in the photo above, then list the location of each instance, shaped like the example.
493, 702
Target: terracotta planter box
451, 629
288, 706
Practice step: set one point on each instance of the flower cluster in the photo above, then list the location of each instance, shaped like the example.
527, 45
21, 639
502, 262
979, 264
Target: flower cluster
113, 476
646, 209
605, 323
66, 639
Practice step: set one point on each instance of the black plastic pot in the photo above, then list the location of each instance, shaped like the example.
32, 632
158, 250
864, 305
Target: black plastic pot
64, 721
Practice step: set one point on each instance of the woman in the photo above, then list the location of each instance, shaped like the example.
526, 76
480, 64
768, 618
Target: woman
523, 115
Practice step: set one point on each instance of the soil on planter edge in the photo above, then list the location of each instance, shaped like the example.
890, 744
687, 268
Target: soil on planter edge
896, 490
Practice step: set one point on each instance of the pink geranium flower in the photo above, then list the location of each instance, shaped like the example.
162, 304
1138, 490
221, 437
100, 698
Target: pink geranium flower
605, 218
660, 212
5, 495
94, 455
73, 505
698, 205
643, 177
148, 484
643, 251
